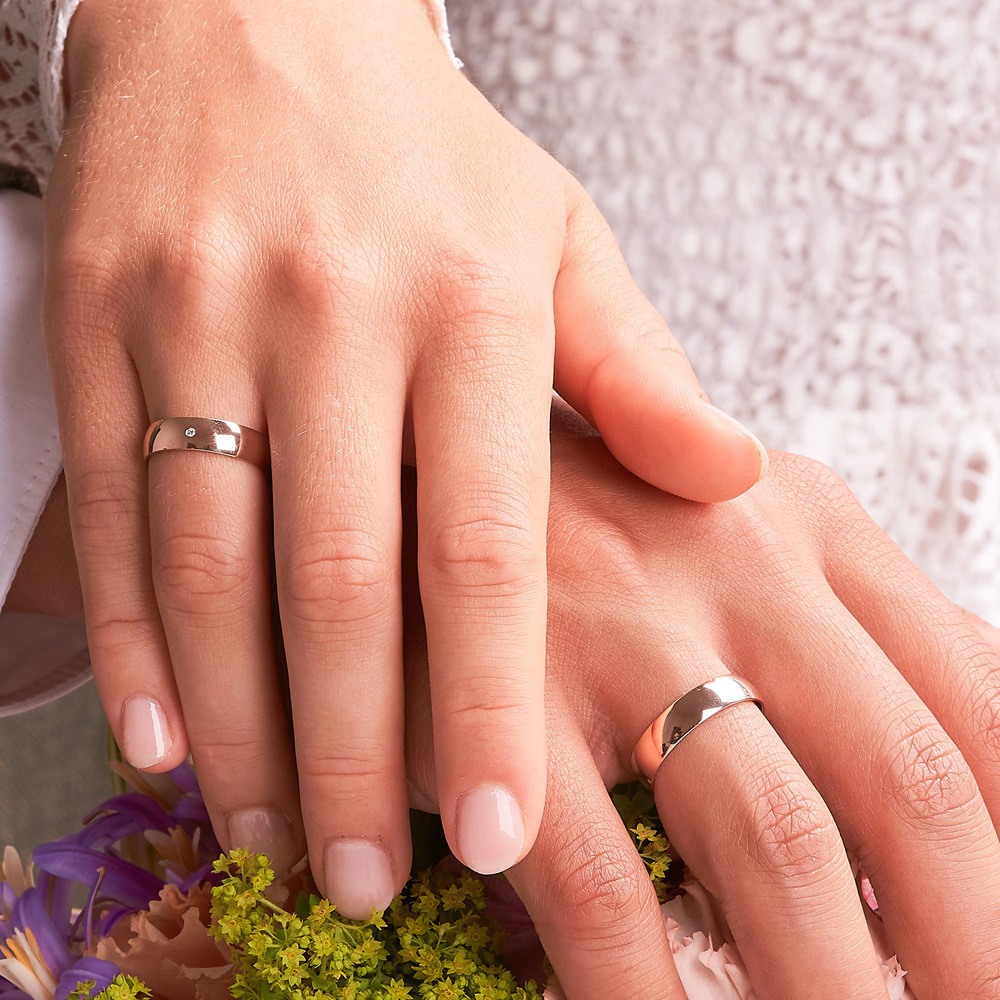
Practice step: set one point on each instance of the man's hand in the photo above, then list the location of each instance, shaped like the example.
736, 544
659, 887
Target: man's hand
882, 702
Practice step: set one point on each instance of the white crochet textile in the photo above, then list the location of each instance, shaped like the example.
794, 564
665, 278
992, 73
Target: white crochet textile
809, 191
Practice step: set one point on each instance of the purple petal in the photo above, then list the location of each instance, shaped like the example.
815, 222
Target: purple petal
10, 992
191, 809
56, 892
123, 882
120, 816
86, 969
184, 777
52, 940
110, 917
203, 874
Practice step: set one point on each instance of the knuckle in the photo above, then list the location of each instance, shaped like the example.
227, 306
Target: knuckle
600, 883
191, 567
111, 634
227, 745
321, 283
926, 778
198, 263
476, 710
469, 289
101, 502
339, 575
351, 767
487, 552
792, 833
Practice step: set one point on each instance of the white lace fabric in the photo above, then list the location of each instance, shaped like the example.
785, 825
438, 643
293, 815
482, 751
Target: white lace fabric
32, 110
809, 191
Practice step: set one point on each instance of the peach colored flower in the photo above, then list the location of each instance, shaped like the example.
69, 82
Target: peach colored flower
708, 963
168, 947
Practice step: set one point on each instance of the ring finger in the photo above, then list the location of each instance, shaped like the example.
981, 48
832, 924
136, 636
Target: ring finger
210, 530
754, 830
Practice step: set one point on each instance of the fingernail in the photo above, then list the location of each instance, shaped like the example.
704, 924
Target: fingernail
732, 423
264, 831
145, 736
358, 878
490, 829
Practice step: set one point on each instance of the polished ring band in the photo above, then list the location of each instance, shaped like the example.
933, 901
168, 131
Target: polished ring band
679, 718
219, 437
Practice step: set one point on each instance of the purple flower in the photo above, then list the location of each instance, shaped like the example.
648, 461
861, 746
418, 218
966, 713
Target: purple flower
38, 960
42, 942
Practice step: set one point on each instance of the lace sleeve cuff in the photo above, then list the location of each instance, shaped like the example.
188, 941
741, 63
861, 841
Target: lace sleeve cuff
32, 112
50, 70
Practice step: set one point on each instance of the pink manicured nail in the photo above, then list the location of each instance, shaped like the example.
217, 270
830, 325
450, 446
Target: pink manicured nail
145, 736
731, 422
264, 831
490, 829
358, 877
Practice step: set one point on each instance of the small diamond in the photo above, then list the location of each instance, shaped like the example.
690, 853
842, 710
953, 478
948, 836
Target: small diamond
190, 432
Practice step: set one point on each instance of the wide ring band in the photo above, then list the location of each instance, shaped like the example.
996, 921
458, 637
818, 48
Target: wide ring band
219, 437
679, 718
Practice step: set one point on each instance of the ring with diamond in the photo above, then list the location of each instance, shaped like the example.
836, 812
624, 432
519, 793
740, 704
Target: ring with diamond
218, 437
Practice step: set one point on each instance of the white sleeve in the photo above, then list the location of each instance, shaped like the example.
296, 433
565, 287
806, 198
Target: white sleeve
32, 112
40, 658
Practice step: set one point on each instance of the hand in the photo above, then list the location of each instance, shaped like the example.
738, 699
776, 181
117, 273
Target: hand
881, 739
621, 567
301, 217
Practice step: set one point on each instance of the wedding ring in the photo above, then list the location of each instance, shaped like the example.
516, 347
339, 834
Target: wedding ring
220, 437
680, 717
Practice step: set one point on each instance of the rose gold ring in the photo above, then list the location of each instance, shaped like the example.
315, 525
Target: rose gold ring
220, 437
680, 717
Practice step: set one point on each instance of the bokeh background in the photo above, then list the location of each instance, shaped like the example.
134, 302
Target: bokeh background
53, 768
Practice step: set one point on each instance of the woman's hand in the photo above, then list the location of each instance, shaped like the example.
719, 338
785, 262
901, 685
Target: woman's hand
301, 217
880, 739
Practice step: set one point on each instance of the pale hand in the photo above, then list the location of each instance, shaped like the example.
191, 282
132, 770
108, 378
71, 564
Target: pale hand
301, 217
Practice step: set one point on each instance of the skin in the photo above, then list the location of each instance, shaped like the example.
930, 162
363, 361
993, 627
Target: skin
880, 737
274, 213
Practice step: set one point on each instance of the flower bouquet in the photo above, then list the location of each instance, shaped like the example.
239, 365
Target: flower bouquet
161, 914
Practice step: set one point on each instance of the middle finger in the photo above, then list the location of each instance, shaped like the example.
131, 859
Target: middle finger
336, 470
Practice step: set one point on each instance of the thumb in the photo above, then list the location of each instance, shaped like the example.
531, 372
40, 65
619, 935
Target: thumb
618, 364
